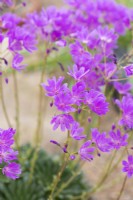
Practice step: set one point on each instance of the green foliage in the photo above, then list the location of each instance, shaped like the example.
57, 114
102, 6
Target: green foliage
46, 169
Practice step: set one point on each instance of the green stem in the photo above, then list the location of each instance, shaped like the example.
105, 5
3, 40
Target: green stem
17, 117
40, 107
3, 104
122, 189
64, 185
39, 121
104, 176
57, 179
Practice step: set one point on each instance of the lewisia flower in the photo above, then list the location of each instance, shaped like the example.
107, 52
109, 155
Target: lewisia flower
86, 151
7, 154
117, 140
64, 102
97, 102
64, 121
78, 73
6, 138
78, 92
122, 88
16, 62
80, 56
129, 70
126, 106
7, 2
54, 86
76, 131
128, 166
12, 170
101, 141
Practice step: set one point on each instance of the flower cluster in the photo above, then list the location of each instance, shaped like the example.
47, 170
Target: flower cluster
92, 43
7, 155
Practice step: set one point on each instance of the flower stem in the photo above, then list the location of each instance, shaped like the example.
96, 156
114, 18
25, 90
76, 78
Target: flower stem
104, 176
122, 189
17, 117
58, 177
3, 104
39, 121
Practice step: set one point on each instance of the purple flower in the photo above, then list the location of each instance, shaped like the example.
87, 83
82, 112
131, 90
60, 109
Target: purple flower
61, 43
97, 102
128, 166
16, 62
80, 56
8, 2
54, 86
76, 132
12, 170
64, 102
126, 105
6, 138
29, 43
117, 140
78, 92
64, 121
78, 73
7, 156
122, 88
129, 70
86, 151
101, 141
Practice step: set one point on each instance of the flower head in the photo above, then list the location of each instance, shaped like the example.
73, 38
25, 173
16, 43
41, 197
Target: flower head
54, 86
97, 102
128, 166
12, 170
117, 140
86, 152
64, 121
126, 105
6, 138
76, 132
101, 141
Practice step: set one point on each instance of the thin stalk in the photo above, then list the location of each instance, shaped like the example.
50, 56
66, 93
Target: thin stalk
58, 177
122, 189
40, 107
3, 104
39, 121
120, 79
17, 108
104, 176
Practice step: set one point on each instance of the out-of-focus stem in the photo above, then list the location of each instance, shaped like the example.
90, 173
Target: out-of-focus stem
104, 176
122, 189
58, 177
39, 121
40, 107
3, 104
17, 117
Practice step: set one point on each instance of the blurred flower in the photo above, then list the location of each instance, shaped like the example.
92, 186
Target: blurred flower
128, 166
12, 170
64, 121
86, 152
76, 131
